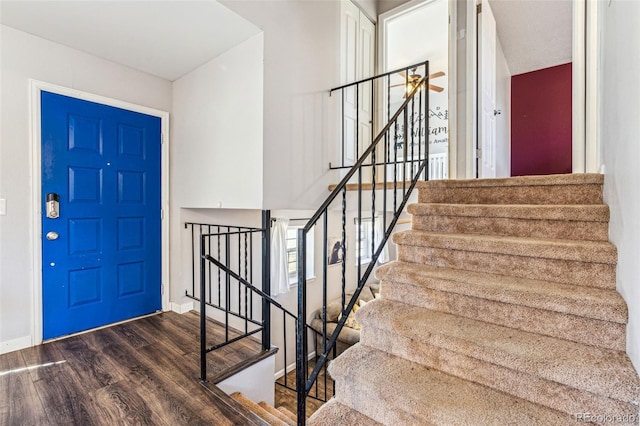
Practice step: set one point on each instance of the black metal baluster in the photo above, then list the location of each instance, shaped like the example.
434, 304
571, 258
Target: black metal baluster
413, 129
284, 328
324, 281
227, 248
203, 318
421, 122
359, 228
251, 274
373, 199
427, 120
342, 246
193, 261
210, 270
342, 118
406, 150
395, 166
239, 273
266, 279
357, 122
219, 272
246, 289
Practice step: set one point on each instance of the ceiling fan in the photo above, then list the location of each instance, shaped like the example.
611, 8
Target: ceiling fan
414, 78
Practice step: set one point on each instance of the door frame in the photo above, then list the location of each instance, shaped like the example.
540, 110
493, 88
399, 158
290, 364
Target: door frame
452, 73
586, 145
35, 89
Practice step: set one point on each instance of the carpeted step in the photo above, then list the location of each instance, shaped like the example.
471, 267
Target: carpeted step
582, 314
572, 222
332, 413
552, 189
258, 410
588, 263
563, 375
395, 391
279, 414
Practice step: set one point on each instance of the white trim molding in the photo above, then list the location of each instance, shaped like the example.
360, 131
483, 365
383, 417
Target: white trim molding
15, 344
182, 308
35, 88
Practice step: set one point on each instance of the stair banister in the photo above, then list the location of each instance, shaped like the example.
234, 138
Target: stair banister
304, 385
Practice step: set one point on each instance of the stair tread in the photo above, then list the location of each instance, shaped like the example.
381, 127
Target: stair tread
258, 410
581, 251
287, 413
334, 413
542, 180
567, 212
277, 413
391, 389
600, 371
590, 302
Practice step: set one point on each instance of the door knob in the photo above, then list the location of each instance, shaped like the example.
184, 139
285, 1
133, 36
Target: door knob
52, 235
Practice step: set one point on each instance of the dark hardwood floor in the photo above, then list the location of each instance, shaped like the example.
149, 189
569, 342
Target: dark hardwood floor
143, 372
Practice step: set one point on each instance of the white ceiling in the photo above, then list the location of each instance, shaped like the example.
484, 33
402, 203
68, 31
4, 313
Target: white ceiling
534, 34
164, 38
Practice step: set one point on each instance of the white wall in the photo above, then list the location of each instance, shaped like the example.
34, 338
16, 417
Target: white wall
503, 121
25, 57
620, 138
301, 41
216, 131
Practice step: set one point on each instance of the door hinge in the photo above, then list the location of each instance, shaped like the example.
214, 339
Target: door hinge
161, 214
478, 152
479, 8
162, 288
161, 138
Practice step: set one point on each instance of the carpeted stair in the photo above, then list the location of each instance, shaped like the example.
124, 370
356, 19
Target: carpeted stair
501, 309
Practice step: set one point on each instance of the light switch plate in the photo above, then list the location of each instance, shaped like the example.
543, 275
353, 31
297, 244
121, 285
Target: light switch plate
3, 206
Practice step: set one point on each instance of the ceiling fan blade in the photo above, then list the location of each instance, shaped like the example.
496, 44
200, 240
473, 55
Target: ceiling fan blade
436, 88
436, 75
403, 74
398, 85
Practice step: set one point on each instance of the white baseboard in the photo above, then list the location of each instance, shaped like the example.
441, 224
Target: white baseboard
15, 344
292, 366
181, 308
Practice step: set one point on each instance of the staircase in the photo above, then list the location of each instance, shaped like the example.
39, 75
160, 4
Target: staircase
268, 414
501, 309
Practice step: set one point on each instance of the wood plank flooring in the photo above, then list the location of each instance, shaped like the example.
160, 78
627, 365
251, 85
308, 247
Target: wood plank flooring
143, 372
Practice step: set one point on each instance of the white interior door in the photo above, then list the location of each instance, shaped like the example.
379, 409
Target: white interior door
349, 73
366, 54
487, 99
357, 62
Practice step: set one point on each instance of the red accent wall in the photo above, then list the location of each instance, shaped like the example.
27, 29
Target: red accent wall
541, 122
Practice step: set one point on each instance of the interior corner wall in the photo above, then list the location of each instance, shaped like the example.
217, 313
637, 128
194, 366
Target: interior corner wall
301, 65
620, 108
503, 120
541, 122
216, 131
24, 57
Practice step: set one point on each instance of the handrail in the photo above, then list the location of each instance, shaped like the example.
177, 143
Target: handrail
343, 183
248, 284
368, 79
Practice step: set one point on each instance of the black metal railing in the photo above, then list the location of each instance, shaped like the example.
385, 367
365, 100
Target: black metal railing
392, 164
382, 176
223, 259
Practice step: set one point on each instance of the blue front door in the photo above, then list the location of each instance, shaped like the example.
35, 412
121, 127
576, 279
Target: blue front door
101, 257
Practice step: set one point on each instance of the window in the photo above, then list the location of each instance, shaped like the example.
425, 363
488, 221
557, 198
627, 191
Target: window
292, 254
364, 240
